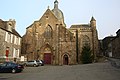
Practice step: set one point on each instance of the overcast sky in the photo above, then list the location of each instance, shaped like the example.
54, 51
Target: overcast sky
25, 12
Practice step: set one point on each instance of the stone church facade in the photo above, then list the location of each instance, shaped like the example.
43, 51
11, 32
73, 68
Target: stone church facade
48, 39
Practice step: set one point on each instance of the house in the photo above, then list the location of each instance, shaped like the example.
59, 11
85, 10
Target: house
10, 41
116, 45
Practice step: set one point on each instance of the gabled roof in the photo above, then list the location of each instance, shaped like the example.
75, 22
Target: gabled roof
3, 26
45, 15
46, 12
16, 33
29, 26
118, 32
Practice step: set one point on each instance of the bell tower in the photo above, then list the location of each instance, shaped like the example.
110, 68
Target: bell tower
56, 4
58, 13
94, 37
93, 22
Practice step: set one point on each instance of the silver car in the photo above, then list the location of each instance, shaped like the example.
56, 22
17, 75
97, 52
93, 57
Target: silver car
40, 62
32, 63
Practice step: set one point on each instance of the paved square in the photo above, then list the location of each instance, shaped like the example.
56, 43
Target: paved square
96, 71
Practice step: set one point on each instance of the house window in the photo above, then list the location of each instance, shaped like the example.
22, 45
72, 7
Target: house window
11, 38
15, 53
19, 41
16, 40
8, 37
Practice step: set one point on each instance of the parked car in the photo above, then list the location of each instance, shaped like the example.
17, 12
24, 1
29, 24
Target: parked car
11, 67
33, 63
40, 62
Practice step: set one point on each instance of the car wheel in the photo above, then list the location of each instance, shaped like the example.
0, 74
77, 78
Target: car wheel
42, 64
25, 65
13, 71
34, 65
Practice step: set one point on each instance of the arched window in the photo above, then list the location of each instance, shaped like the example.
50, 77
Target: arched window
48, 32
86, 41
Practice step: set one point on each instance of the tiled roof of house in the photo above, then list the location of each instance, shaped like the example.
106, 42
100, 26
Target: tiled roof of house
3, 26
118, 32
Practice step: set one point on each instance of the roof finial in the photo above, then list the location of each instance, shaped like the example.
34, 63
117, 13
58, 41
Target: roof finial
93, 19
48, 7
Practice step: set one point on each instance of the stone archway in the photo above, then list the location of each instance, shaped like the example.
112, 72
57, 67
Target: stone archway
46, 54
65, 59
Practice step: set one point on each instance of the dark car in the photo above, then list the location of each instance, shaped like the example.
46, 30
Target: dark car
11, 67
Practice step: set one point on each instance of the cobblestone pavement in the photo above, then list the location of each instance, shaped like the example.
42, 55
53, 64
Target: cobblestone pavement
96, 71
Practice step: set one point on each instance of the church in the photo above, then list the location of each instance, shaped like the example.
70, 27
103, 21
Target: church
50, 40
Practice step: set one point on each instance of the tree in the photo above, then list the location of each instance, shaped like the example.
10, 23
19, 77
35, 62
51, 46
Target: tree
86, 55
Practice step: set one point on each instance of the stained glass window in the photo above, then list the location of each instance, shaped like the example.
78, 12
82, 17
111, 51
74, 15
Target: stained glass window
48, 32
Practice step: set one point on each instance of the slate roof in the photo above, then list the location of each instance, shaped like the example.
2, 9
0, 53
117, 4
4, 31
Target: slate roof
80, 26
3, 26
118, 32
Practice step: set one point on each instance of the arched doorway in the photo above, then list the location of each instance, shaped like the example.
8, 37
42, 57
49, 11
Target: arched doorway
65, 59
47, 55
47, 58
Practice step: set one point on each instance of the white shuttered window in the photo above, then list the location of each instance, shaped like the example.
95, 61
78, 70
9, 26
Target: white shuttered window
18, 51
15, 40
6, 36
11, 38
19, 41
13, 52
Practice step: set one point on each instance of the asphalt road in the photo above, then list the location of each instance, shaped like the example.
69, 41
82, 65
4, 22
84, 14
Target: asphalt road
96, 71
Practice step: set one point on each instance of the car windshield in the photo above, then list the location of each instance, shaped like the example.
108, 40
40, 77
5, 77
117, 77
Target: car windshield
37, 60
2, 64
30, 61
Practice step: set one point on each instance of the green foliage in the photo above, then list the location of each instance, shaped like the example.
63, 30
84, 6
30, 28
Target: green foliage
86, 55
